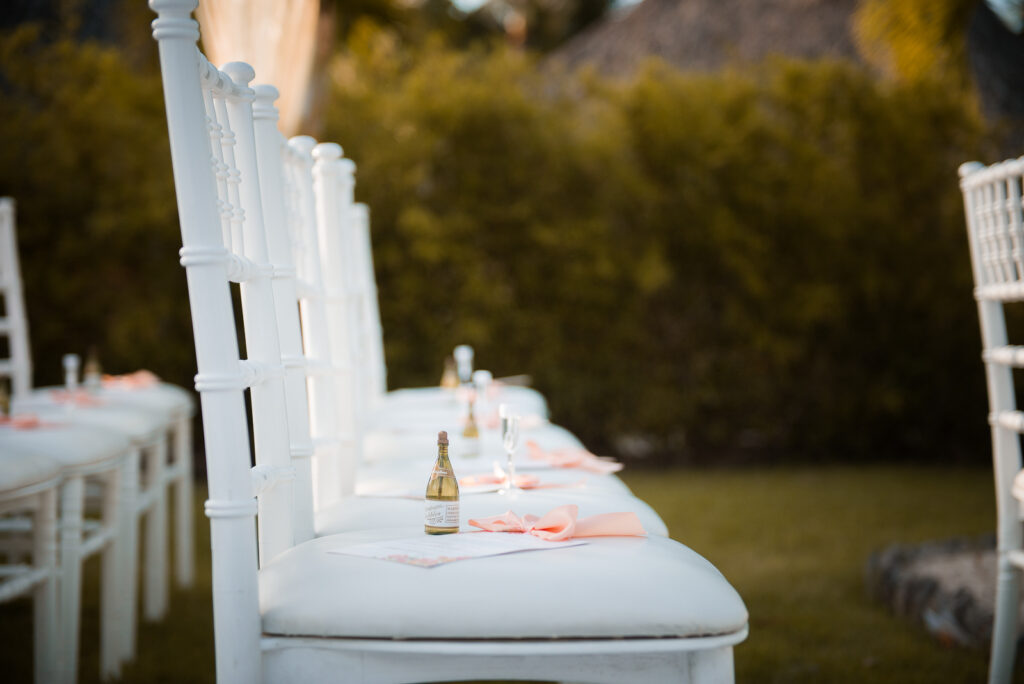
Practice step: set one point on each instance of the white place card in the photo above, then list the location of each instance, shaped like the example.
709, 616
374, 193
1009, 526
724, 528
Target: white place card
429, 551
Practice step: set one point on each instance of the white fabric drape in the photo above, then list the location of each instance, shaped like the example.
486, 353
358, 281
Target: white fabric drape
277, 37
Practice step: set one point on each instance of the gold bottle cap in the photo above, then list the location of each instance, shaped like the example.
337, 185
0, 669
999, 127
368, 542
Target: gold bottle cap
442, 437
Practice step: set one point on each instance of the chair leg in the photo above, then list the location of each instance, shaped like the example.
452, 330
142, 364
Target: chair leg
72, 502
130, 556
184, 552
45, 620
112, 578
1004, 629
155, 592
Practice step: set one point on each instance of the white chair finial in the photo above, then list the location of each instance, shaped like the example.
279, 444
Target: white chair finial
241, 73
327, 152
263, 107
302, 144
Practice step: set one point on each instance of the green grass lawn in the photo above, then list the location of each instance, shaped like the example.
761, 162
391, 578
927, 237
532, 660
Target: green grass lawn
793, 541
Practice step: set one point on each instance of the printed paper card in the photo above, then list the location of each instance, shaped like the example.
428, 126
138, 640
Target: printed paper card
430, 551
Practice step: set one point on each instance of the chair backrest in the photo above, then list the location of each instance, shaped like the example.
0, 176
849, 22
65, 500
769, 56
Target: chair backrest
334, 462
17, 366
372, 346
995, 227
333, 185
214, 158
270, 148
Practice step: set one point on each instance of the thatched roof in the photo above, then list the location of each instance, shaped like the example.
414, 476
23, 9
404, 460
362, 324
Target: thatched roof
706, 34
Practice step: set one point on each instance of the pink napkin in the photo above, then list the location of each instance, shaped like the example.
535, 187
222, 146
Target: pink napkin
560, 524
140, 379
574, 458
78, 398
24, 421
523, 481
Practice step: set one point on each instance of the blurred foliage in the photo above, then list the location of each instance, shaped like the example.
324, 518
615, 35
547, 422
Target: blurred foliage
728, 266
696, 266
914, 39
83, 150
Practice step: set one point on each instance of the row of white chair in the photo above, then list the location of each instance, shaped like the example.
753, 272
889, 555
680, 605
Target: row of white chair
286, 610
129, 436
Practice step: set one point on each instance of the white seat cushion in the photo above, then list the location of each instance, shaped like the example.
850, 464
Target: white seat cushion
163, 397
437, 408
524, 398
611, 587
69, 445
360, 513
20, 469
420, 443
138, 423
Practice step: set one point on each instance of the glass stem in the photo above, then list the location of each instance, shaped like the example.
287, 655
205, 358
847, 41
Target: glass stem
511, 474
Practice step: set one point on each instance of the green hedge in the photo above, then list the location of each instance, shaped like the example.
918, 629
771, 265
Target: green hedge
696, 268
84, 152
740, 265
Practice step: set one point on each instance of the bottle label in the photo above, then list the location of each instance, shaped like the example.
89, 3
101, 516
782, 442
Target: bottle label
442, 513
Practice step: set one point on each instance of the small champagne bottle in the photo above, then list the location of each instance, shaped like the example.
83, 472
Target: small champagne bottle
442, 499
471, 433
449, 378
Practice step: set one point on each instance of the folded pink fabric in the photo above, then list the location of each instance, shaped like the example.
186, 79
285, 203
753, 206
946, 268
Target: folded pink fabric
574, 458
78, 398
523, 481
560, 524
24, 421
140, 379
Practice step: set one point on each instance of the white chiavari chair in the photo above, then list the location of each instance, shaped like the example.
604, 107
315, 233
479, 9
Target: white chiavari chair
307, 615
330, 412
995, 229
367, 302
28, 492
155, 416
119, 464
86, 454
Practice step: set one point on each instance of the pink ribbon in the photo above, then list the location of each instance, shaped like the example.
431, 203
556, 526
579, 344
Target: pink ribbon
78, 398
560, 524
523, 481
574, 458
24, 421
140, 379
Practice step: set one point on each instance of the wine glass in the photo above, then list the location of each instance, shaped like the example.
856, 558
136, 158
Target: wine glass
510, 440
504, 411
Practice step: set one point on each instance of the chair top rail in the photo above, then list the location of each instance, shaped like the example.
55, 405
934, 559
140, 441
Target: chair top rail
974, 174
220, 82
